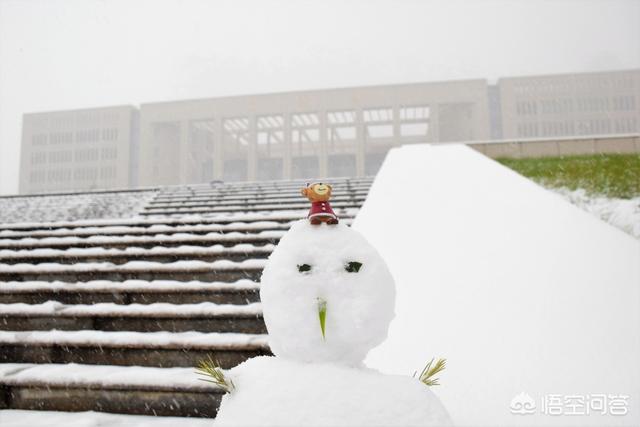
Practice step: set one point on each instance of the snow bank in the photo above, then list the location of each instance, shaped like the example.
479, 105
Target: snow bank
520, 290
621, 213
272, 391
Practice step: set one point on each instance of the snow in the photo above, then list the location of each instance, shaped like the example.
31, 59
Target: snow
21, 418
272, 391
69, 207
136, 339
132, 310
275, 215
127, 286
243, 248
359, 305
621, 213
152, 229
240, 207
132, 266
518, 289
107, 376
133, 240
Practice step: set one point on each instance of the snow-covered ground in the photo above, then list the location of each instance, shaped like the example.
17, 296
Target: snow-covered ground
73, 207
534, 302
621, 213
17, 418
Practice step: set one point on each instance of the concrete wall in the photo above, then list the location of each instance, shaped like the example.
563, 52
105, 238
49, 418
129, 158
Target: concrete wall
555, 147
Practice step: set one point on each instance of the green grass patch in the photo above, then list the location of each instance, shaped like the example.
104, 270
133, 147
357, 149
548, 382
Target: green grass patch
611, 175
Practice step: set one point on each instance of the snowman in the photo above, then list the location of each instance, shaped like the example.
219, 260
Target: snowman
328, 298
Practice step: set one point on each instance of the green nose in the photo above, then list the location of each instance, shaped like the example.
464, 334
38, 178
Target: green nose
322, 315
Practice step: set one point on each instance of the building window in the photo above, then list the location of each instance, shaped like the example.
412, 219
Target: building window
39, 140
110, 134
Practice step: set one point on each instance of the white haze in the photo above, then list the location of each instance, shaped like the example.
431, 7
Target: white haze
63, 54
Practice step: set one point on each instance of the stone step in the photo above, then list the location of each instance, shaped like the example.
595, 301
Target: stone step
294, 195
243, 203
202, 317
159, 254
118, 389
182, 271
150, 210
159, 349
155, 229
145, 241
130, 292
291, 187
219, 219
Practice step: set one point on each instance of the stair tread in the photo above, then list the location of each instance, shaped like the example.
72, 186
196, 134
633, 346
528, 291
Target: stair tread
103, 376
158, 340
213, 237
163, 286
134, 266
218, 218
179, 251
159, 310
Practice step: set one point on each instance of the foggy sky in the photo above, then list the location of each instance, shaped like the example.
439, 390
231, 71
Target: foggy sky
63, 54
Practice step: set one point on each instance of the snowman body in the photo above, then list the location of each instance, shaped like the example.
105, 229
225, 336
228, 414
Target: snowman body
328, 298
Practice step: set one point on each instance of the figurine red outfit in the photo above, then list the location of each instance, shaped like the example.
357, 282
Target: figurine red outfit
321, 209
319, 194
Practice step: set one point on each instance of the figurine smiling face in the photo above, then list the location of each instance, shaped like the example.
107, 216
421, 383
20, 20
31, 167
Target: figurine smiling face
317, 192
327, 295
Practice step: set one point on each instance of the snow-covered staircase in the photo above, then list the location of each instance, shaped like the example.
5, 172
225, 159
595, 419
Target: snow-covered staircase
112, 314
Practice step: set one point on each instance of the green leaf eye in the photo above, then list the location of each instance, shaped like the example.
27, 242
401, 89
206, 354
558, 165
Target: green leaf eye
304, 268
353, 266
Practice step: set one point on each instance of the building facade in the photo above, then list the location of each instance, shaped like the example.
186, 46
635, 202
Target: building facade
310, 134
79, 150
338, 132
565, 105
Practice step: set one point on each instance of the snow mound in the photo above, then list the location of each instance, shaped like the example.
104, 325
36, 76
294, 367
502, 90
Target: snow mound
309, 270
275, 392
520, 290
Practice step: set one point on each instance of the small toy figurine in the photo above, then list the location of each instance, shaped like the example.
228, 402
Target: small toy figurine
319, 195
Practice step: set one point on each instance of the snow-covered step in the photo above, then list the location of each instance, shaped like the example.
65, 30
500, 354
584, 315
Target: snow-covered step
294, 188
202, 317
107, 388
219, 219
159, 254
160, 349
154, 229
146, 241
130, 292
222, 270
244, 202
150, 210
169, 198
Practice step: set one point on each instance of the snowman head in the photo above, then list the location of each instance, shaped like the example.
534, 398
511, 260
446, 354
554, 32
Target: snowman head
327, 295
